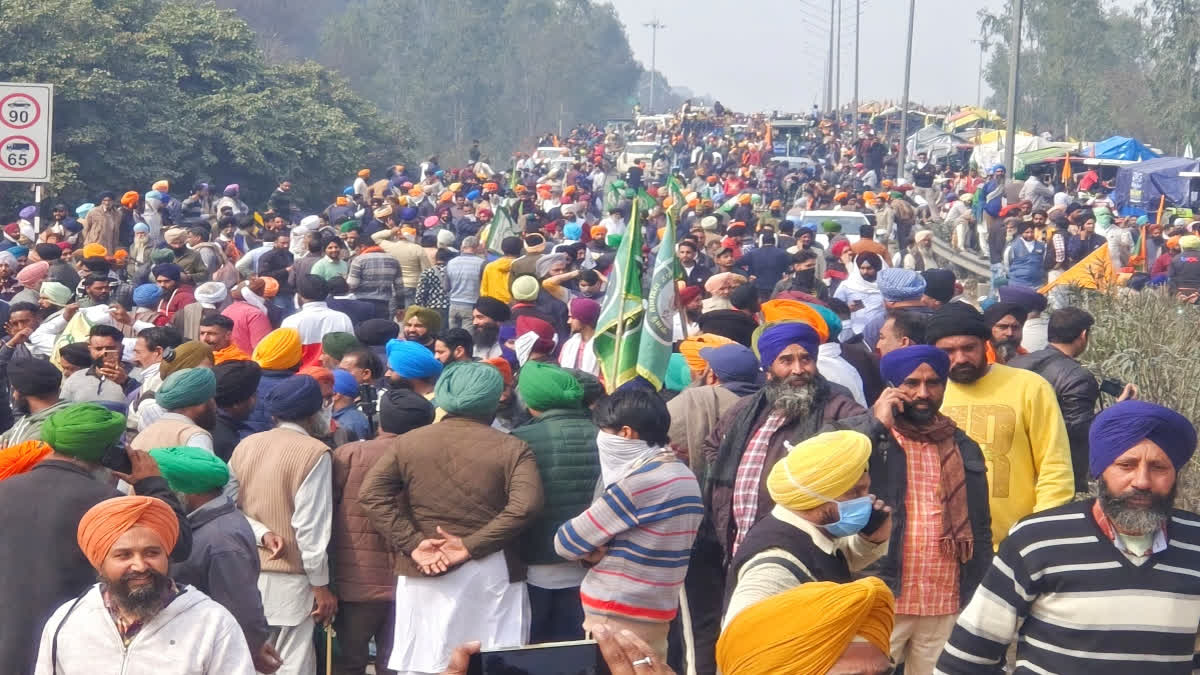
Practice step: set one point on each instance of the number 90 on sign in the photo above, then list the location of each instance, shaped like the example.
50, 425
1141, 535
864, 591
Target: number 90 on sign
19, 111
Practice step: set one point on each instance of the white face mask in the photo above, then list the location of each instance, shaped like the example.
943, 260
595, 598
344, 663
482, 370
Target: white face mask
620, 456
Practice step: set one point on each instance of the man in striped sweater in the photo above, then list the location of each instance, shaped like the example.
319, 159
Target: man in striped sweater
1107, 585
638, 535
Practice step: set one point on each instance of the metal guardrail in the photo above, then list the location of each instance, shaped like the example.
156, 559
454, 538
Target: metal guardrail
960, 261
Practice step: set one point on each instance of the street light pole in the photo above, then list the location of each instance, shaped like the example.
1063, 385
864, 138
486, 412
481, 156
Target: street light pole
983, 46
1014, 65
837, 73
901, 158
857, 25
829, 65
654, 27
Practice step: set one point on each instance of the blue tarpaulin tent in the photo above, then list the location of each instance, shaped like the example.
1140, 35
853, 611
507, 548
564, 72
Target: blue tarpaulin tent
1139, 186
1119, 147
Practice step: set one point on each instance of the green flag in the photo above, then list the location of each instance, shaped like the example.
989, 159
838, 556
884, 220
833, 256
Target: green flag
675, 191
619, 328
502, 226
654, 350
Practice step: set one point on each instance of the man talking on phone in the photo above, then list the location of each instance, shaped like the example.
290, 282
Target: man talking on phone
107, 379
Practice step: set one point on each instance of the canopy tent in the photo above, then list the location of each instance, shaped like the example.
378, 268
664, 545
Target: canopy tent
1026, 159
934, 141
971, 116
1140, 186
990, 148
1120, 147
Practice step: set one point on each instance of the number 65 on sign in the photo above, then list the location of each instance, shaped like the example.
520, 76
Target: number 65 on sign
26, 124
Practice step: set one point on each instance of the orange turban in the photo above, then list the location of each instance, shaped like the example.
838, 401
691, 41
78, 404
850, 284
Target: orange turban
416, 192
490, 187
279, 350
598, 231
341, 200
162, 186
230, 353
794, 310
129, 200
690, 348
808, 628
505, 368
105, 522
323, 376
270, 287
569, 190
1173, 242
364, 173
94, 251
121, 256
841, 196
19, 458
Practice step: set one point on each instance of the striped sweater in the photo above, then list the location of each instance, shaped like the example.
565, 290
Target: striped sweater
648, 521
1086, 607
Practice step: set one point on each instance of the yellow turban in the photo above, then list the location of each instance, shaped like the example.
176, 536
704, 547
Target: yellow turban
279, 350
807, 629
794, 310
825, 465
690, 348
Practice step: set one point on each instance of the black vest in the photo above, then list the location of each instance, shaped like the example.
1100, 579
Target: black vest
770, 532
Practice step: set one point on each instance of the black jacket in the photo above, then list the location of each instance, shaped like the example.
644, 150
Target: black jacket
39, 516
889, 482
1077, 392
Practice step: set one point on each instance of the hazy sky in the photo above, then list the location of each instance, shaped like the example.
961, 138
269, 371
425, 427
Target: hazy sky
779, 49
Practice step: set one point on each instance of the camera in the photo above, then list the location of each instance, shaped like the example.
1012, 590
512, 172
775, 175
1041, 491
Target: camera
1112, 387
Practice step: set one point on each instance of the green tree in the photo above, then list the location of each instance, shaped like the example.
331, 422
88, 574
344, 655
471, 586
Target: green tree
149, 89
1174, 49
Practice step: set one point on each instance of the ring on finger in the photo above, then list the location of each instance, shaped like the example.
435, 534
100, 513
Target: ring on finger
643, 662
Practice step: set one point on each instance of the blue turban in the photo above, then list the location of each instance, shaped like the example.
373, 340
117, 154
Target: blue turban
1143, 220
1123, 425
472, 195
773, 338
832, 321
18, 251
186, 388
82, 210
295, 398
411, 360
348, 191
469, 388
147, 295
573, 231
408, 213
344, 383
897, 284
897, 365
996, 167
142, 227
169, 270
731, 362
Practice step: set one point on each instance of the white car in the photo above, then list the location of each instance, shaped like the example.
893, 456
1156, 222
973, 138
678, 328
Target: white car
549, 152
634, 152
850, 221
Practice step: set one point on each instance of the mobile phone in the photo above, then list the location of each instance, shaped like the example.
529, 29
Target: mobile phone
876, 521
1112, 387
116, 459
581, 657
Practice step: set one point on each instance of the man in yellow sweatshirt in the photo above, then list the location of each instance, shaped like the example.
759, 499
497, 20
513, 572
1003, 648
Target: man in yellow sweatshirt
1012, 414
495, 274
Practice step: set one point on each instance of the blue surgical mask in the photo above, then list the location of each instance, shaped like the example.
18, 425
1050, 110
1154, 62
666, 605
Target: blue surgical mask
853, 515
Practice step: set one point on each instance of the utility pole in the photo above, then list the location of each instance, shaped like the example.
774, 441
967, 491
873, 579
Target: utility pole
654, 27
983, 47
900, 159
1014, 65
829, 64
857, 24
837, 74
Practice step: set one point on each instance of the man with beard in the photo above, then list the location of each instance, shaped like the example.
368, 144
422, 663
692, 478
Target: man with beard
486, 318
177, 629
861, 293
411, 366
102, 224
176, 294
744, 444
935, 478
804, 276
1005, 320
95, 291
421, 325
189, 412
40, 512
1011, 413
286, 488
34, 384
195, 272
900, 289
1103, 585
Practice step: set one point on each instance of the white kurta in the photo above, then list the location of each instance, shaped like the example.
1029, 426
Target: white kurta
473, 602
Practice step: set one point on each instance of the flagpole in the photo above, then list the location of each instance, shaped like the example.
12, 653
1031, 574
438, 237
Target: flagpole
621, 309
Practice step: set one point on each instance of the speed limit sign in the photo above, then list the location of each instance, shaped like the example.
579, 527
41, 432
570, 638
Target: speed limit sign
25, 127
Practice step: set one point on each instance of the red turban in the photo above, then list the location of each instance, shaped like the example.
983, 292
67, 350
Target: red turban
545, 332
105, 522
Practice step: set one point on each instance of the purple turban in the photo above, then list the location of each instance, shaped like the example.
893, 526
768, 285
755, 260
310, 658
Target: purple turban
776, 337
1123, 425
28, 212
897, 365
586, 310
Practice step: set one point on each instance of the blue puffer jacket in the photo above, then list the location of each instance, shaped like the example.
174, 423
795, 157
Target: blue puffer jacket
1025, 268
564, 444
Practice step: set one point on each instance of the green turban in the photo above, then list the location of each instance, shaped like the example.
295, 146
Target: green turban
83, 430
162, 255
679, 375
186, 388
470, 389
349, 225
192, 471
832, 320
543, 387
336, 345
430, 318
831, 226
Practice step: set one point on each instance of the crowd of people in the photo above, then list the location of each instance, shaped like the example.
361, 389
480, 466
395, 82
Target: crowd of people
235, 437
